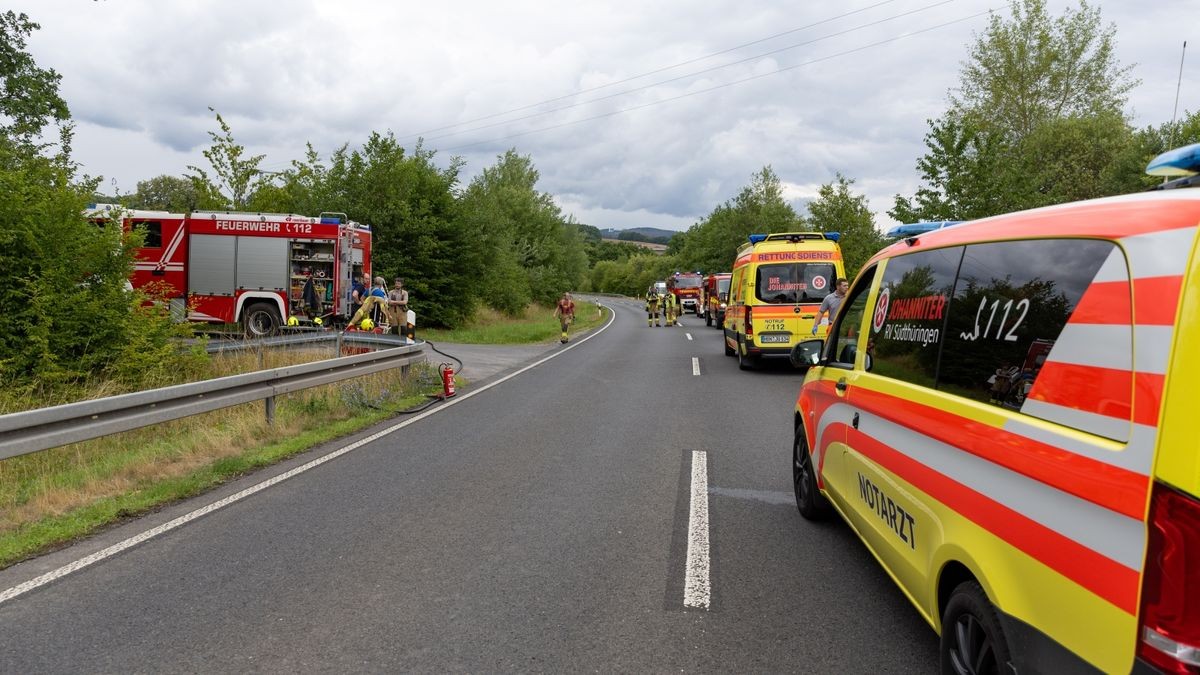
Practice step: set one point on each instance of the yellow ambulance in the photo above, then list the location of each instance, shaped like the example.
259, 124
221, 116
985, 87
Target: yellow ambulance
778, 283
1007, 413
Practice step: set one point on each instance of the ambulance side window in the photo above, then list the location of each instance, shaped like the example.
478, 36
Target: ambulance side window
1044, 327
909, 321
849, 325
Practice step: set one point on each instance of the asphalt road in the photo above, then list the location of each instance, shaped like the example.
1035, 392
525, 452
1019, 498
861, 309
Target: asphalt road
542, 522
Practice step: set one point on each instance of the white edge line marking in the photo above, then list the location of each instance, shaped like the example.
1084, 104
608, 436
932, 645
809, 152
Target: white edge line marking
695, 365
696, 590
120, 546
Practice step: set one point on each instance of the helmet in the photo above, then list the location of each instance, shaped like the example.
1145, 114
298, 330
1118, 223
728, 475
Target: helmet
293, 321
367, 324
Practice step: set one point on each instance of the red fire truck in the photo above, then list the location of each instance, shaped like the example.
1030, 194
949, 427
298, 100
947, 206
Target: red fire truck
247, 268
686, 287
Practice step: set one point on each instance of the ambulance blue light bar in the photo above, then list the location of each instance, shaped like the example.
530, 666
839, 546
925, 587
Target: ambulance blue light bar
833, 236
755, 238
1183, 161
912, 229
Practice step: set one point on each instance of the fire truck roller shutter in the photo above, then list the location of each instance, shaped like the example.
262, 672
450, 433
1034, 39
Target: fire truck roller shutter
262, 263
211, 263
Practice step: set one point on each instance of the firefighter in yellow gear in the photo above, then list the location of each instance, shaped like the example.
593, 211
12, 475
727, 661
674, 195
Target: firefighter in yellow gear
670, 311
652, 304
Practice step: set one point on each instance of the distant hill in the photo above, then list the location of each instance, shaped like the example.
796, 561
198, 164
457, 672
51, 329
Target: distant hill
651, 234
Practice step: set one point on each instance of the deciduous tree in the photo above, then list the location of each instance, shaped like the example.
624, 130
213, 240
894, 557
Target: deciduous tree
837, 209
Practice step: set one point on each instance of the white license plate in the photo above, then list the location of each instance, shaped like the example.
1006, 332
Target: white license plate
775, 338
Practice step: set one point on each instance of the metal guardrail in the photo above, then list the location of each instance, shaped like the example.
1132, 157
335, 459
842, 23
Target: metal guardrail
35, 430
363, 338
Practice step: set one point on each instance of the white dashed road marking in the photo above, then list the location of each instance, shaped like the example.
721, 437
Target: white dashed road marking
689, 336
696, 590
695, 365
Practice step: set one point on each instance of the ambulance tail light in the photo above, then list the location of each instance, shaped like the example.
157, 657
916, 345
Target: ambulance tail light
749, 330
1170, 613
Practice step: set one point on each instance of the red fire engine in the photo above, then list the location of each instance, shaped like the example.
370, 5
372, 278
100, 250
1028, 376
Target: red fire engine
686, 287
255, 269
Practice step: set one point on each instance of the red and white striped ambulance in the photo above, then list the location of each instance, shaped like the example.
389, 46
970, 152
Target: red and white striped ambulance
1007, 412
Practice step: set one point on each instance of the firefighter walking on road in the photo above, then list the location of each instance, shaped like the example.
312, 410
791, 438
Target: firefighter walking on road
565, 311
652, 299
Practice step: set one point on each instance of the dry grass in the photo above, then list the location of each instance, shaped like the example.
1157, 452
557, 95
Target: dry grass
42, 492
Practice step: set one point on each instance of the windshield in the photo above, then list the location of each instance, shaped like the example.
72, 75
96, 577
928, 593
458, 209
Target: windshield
791, 283
688, 282
723, 285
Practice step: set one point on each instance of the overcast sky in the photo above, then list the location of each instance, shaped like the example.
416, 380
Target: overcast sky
824, 88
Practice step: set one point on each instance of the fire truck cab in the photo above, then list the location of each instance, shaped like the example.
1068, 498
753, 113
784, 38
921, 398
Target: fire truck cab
686, 287
714, 295
254, 269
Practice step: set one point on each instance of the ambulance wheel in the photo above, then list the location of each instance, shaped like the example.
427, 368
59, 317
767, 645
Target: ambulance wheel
745, 361
809, 502
972, 639
260, 320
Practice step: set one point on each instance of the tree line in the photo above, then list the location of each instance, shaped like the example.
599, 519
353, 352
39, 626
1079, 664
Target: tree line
1039, 116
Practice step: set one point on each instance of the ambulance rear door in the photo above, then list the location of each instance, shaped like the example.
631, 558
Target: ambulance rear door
793, 292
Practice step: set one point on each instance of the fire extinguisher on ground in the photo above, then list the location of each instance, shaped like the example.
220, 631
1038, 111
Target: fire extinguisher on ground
447, 380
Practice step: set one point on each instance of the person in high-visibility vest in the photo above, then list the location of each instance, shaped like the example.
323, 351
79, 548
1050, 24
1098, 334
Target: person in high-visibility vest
652, 307
669, 309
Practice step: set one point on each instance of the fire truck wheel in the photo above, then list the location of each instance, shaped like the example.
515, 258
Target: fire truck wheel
708, 318
260, 320
972, 639
809, 501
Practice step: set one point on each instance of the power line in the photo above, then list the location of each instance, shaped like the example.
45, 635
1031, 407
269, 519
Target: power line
648, 73
690, 75
721, 86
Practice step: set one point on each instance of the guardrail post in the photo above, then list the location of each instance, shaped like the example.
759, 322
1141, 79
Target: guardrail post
270, 402
338, 346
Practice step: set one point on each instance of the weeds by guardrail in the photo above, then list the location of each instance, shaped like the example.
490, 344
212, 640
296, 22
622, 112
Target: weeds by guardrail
35, 430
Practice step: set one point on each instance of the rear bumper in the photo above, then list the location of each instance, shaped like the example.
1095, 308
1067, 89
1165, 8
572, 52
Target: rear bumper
768, 351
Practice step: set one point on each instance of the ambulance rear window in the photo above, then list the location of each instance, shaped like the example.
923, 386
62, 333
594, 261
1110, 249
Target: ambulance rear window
1044, 327
791, 283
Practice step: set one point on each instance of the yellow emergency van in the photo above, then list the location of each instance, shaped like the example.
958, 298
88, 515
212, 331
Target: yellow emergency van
1007, 413
778, 283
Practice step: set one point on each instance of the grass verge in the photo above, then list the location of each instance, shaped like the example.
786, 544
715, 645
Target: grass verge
536, 324
52, 497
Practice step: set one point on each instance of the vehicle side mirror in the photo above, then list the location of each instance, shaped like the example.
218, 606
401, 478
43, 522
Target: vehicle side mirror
848, 353
807, 353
